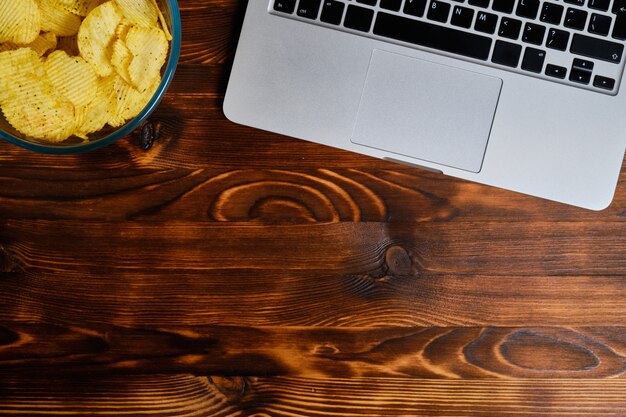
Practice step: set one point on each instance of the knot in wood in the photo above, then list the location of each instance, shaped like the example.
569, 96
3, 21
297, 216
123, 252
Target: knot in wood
398, 261
149, 132
232, 388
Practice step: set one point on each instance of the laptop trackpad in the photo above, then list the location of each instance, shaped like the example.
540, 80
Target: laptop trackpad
427, 111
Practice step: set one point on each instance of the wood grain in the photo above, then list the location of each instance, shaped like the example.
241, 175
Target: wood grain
429, 352
130, 184
275, 297
185, 395
485, 248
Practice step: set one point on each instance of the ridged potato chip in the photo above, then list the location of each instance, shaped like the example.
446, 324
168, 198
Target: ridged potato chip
73, 77
139, 12
79, 7
20, 21
92, 117
45, 42
164, 26
149, 48
96, 33
122, 29
121, 58
42, 44
129, 102
121, 96
13, 64
57, 20
36, 110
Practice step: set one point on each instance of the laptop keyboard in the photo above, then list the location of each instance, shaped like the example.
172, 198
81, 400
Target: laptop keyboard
575, 42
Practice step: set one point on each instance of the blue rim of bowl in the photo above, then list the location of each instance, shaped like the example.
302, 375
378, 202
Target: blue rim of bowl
176, 28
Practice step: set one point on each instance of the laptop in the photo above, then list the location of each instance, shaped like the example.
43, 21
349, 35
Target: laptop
524, 95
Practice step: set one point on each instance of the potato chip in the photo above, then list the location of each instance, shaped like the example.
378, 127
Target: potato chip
92, 117
139, 100
79, 7
121, 59
140, 12
36, 110
42, 44
166, 29
45, 42
13, 64
149, 48
73, 77
121, 31
19, 61
20, 21
57, 20
96, 33
122, 92
129, 102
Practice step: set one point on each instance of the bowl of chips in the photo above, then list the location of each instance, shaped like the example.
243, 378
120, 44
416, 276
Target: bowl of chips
76, 75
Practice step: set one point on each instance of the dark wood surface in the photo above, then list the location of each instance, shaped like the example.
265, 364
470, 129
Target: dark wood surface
232, 272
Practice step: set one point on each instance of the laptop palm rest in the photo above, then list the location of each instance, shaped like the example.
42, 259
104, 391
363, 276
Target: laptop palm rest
426, 111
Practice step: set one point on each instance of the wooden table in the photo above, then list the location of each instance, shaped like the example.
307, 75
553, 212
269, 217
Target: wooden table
229, 271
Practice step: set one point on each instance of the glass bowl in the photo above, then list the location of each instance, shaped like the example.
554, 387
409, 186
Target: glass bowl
109, 135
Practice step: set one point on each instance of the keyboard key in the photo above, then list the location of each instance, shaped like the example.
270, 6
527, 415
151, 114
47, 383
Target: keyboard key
432, 36
533, 33
309, 8
619, 30
527, 8
415, 7
479, 3
556, 71
358, 18
575, 19
603, 82
580, 3
438, 11
582, 64
367, 2
557, 39
597, 48
391, 4
505, 53
285, 6
504, 6
509, 28
332, 12
551, 13
533, 60
462, 16
619, 6
579, 76
599, 4
599, 24
486, 22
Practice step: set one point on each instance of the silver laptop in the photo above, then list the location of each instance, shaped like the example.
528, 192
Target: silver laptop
519, 94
